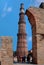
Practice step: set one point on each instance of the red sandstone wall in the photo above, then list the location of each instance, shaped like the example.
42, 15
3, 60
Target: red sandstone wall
36, 18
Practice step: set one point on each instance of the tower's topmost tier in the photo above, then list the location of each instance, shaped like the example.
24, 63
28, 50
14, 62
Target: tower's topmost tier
22, 14
22, 8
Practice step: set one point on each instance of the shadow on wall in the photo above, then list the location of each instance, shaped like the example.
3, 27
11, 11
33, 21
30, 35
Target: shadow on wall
0, 62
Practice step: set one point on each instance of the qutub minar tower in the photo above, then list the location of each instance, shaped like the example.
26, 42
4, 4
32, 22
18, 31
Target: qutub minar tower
22, 42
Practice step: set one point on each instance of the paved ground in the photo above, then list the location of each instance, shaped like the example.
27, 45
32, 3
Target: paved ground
22, 64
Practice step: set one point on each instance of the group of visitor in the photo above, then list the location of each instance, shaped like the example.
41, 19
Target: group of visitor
27, 58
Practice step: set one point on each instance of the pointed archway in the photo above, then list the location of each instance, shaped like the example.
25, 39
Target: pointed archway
36, 18
33, 25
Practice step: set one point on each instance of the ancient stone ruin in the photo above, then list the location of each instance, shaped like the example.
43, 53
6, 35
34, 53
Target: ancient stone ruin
6, 53
22, 35
36, 19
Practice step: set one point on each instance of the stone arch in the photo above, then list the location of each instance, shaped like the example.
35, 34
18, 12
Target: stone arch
32, 21
36, 18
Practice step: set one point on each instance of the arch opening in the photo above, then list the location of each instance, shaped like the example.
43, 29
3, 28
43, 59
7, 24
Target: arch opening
32, 21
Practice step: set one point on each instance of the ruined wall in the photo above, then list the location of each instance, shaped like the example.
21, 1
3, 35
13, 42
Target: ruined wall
36, 19
6, 51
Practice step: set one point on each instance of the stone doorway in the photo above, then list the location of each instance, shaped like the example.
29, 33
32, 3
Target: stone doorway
29, 41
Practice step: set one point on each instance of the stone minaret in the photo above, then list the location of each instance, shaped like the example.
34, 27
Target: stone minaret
21, 43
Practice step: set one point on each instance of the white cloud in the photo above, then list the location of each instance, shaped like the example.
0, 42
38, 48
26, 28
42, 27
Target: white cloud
37, 3
40, 1
9, 9
6, 10
29, 39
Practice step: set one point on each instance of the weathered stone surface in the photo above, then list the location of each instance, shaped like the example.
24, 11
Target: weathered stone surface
6, 51
40, 49
36, 18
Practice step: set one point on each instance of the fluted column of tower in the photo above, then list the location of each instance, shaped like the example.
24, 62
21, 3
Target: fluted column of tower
21, 43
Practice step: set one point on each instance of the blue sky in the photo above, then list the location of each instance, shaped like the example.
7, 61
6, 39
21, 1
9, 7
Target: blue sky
9, 17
